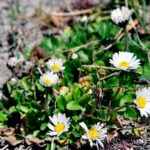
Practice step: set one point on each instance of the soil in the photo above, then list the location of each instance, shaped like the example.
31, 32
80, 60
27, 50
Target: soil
14, 26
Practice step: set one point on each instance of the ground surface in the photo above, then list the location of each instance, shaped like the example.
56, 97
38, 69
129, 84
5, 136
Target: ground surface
17, 27
10, 21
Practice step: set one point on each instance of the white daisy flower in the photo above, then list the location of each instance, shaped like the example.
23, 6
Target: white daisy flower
121, 15
125, 61
95, 134
55, 65
142, 101
48, 79
13, 61
60, 124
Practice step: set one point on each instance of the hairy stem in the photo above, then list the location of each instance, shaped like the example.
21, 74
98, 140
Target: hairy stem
125, 105
109, 110
46, 102
120, 84
126, 38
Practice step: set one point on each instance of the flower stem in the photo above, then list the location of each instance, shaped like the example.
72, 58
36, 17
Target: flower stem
46, 104
126, 38
121, 107
120, 84
52, 145
109, 110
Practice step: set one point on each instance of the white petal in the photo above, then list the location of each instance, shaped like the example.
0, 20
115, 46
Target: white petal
50, 127
84, 137
83, 125
52, 133
99, 141
53, 120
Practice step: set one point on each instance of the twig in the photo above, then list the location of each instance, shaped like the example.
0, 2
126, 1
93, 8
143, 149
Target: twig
126, 38
74, 13
140, 42
110, 75
4, 147
74, 49
125, 105
39, 69
104, 67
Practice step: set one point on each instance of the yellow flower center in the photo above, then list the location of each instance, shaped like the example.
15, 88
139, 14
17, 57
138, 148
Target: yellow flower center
47, 80
59, 127
141, 102
56, 68
93, 133
124, 64
86, 84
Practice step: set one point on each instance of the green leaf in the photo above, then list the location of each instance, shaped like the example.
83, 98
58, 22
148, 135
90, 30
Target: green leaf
127, 98
76, 118
18, 95
43, 126
39, 86
146, 72
67, 33
22, 108
61, 103
25, 84
76, 131
130, 113
74, 106
27, 51
3, 117
76, 92
35, 133
83, 56
100, 63
114, 81
84, 99
68, 97
12, 109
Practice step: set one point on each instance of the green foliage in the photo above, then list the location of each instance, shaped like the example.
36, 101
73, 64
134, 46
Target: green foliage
88, 103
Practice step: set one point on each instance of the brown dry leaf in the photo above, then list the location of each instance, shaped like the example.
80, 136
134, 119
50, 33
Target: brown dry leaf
12, 140
28, 142
37, 141
137, 132
122, 122
59, 21
38, 53
142, 31
18, 67
112, 134
6, 131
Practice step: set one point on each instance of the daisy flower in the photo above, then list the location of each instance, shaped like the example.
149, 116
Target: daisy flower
60, 124
48, 79
95, 134
125, 61
121, 15
142, 101
55, 65
13, 61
